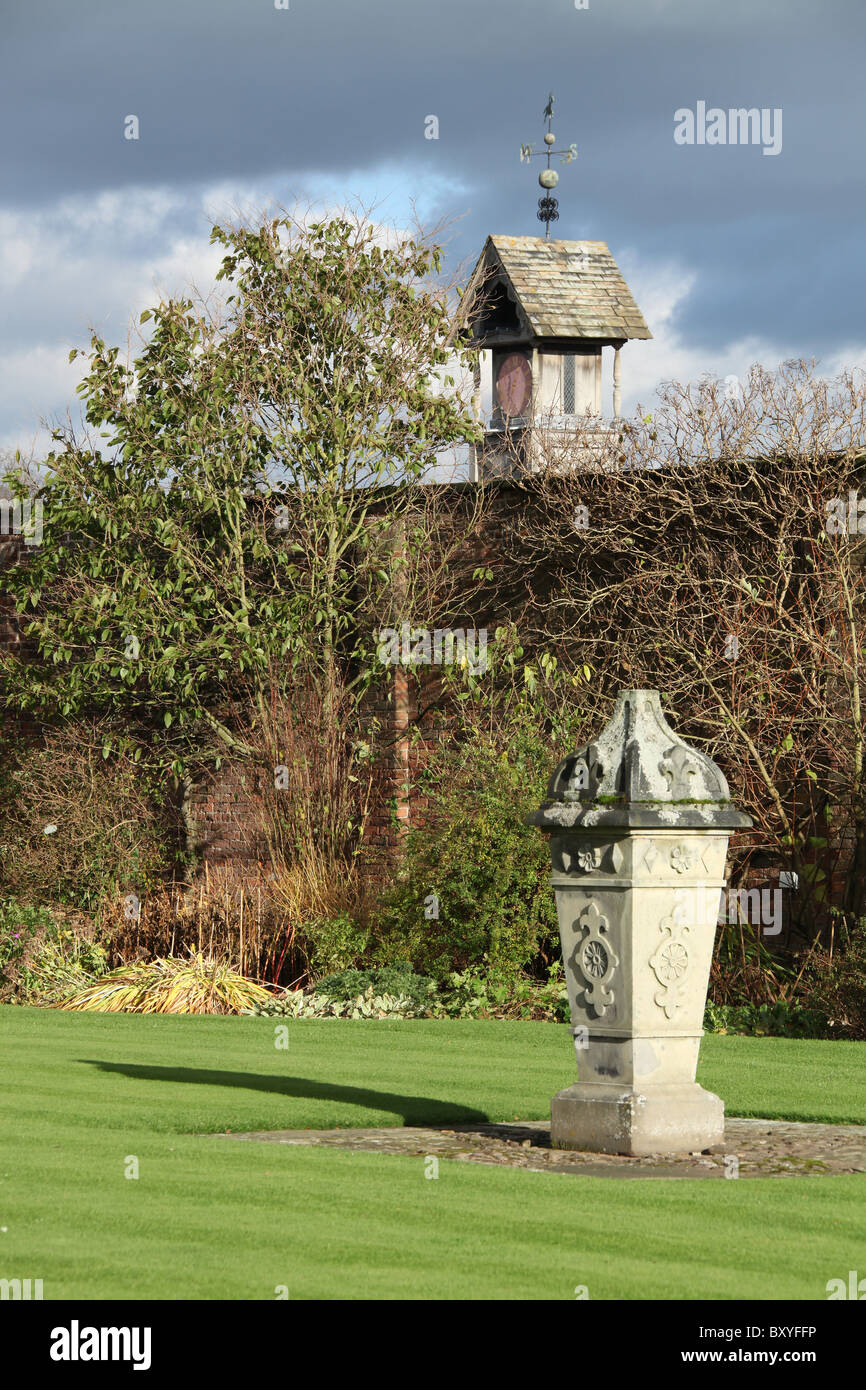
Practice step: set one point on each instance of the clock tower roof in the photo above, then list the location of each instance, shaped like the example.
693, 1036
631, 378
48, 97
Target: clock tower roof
527, 288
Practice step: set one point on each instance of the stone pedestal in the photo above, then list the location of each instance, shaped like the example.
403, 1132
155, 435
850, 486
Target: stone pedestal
639, 825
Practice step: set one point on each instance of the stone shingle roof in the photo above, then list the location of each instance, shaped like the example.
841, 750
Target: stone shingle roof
567, 289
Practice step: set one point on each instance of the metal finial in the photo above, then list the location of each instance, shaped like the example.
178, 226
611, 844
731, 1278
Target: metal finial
548, 178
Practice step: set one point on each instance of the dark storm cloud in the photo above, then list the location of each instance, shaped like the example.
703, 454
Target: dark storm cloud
239, 90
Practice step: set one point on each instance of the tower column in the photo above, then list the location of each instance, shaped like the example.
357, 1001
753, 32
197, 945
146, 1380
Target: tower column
617, 381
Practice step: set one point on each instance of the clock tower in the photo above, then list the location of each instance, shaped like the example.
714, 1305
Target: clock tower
540, 312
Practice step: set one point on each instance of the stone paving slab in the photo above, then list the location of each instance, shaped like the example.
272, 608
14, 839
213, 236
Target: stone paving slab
762, 1148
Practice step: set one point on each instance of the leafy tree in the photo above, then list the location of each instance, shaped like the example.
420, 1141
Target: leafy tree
218, 525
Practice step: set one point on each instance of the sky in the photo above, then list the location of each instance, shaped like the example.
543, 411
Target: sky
735, 255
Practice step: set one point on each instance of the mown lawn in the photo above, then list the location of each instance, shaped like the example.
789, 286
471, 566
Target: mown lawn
80, 1096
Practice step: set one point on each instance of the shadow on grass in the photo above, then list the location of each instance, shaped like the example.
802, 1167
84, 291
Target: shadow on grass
415, 1110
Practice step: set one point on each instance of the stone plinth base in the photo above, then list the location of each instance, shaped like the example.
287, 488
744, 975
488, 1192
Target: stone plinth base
672, 1119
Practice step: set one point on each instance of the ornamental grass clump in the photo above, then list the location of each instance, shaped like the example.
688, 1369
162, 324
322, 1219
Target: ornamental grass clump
198, 985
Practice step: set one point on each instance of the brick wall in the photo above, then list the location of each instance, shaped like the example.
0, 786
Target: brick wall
415, 728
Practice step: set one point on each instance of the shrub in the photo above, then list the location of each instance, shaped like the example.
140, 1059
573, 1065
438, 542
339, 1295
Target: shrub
42, 957
77, 828
398, 980
835, 986
368, 1004
744, 973
60, 967
333, 943
475, 994
198, 985
475, 864
20, 927
780, 1020
397, 992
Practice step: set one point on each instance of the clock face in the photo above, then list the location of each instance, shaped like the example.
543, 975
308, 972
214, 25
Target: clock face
514, 384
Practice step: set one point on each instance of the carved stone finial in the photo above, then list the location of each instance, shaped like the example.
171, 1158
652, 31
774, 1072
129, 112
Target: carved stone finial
638, 772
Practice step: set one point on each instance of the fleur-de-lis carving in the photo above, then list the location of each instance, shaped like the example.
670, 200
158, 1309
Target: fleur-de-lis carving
678, 766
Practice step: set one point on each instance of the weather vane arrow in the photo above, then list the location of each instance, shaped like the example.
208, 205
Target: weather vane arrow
548, 178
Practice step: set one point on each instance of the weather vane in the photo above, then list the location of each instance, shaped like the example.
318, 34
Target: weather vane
548, 178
